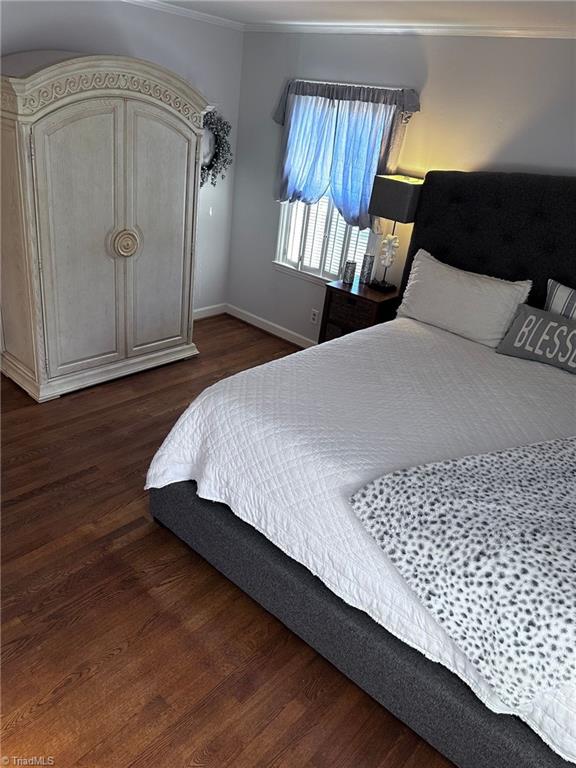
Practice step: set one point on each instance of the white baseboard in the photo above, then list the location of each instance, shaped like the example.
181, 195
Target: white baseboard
266, 325
259, 322
213, 309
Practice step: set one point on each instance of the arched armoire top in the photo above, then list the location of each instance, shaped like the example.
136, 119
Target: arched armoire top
31, 97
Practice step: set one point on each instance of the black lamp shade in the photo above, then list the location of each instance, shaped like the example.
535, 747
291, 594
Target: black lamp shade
395, 198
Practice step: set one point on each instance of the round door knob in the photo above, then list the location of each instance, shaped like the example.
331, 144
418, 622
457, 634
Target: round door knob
126, 243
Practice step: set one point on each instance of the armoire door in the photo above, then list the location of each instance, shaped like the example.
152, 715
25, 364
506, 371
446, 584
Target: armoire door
80, 202
160, 168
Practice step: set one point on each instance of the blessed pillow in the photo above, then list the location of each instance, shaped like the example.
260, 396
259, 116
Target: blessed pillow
477, 307
561, 300
543, 336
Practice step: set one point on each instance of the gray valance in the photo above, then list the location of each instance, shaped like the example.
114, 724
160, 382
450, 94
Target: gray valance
405, 99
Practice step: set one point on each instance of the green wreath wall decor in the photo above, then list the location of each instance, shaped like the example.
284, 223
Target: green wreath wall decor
216, 149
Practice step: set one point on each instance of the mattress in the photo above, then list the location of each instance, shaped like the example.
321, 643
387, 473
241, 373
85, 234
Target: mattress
286, 444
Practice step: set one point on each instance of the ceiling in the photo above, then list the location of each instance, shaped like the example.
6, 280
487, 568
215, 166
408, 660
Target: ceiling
487, 18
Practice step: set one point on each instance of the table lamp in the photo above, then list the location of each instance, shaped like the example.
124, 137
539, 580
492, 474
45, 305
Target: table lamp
394, 198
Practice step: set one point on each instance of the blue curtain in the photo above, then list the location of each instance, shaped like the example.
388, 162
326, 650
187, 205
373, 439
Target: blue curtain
335, 138
310, 131
361, 131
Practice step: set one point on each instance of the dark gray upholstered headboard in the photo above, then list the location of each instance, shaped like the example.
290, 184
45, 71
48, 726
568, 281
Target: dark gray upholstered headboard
516, 226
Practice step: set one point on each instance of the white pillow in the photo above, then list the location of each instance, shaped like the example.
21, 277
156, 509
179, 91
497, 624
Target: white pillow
478, 307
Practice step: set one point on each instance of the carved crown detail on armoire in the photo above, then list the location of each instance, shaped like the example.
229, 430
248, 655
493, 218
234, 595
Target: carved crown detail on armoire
100, 169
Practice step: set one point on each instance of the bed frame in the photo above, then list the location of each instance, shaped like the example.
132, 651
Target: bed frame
513, 226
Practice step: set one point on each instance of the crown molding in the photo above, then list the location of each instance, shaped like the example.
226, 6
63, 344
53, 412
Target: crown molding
375, 28
434, 30
179, 10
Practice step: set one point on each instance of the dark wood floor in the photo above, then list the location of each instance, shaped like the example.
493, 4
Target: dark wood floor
122, 647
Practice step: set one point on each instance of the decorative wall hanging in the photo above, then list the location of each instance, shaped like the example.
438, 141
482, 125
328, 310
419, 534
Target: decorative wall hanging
216, 150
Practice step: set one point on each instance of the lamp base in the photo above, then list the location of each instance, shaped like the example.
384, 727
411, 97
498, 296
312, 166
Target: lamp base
383, 286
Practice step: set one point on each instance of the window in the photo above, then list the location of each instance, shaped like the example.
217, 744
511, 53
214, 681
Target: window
316, 240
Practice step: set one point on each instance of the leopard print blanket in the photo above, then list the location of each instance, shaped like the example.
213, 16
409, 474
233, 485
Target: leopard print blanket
488, 543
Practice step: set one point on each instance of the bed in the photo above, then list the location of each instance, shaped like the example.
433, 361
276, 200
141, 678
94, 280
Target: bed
286, 461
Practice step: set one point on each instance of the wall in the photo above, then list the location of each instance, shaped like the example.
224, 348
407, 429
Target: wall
208, 56
487, 103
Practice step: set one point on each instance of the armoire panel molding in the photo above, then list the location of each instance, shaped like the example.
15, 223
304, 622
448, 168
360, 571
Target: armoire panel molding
49, 203
101, 76
16, 296
156, 335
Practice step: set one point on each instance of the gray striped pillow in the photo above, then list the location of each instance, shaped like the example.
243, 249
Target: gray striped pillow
561, 300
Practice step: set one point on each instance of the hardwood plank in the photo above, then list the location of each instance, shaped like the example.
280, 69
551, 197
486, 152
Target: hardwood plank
122, 647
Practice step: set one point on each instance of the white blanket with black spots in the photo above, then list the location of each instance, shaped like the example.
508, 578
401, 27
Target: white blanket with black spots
488, 543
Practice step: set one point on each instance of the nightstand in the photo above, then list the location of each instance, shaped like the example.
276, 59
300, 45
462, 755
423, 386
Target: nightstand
350, 308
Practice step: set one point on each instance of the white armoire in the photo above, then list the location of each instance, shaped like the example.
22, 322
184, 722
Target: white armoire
100, 166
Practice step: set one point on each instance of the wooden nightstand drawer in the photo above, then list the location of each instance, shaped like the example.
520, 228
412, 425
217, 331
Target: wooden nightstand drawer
351, 310
354, 307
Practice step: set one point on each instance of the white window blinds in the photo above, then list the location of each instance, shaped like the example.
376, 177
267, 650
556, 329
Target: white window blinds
315, 239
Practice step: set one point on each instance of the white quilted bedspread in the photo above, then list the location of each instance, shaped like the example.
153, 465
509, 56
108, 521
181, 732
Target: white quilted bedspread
286, 444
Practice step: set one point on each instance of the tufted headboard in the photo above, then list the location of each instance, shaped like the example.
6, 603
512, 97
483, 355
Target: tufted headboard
516, 226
